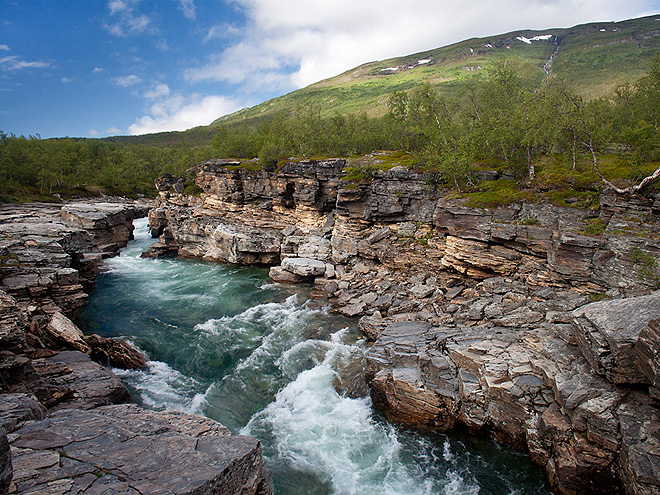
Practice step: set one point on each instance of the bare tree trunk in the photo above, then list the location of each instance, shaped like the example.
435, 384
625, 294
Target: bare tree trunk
574, 153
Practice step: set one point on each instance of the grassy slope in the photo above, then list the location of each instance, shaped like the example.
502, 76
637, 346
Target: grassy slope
592, 58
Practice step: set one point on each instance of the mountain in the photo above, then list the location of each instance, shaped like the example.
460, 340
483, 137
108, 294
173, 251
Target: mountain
591, 58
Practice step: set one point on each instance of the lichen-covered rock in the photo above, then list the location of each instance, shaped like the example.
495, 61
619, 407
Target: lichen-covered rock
125, 449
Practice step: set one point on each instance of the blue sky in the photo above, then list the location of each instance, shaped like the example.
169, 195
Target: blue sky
106, 67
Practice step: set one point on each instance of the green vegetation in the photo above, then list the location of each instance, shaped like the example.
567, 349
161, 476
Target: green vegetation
647, 267
558, 118
595, 226
46, 170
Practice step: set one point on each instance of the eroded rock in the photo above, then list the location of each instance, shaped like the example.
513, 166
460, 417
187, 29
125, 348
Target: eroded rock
125, 449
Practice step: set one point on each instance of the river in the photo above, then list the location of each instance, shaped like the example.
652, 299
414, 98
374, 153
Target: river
225, 342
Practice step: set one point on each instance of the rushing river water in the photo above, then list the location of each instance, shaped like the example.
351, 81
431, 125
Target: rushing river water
226, 343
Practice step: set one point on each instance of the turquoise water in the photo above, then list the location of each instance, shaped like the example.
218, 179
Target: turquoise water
257, 357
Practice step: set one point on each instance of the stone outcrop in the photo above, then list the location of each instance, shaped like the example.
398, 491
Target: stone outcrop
49, 254
125, 449
618, 338
480, 316
528, 387
58, 406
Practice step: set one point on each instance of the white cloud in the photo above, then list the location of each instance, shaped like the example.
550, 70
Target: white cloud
188, 8
293, 43
223, 31
97, 70
158, 91
162, 46
177, 113
126, 81
14, 63
66, 80
93, 133
113, 131
4, 47
126, 21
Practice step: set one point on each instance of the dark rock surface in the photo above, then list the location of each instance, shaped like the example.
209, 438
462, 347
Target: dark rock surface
115, 353
125, 449
73, 380
16, 408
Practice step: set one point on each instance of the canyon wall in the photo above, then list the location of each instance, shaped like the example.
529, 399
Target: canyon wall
514, 321
64, 427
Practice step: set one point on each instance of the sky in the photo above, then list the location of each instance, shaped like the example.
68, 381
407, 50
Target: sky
94, 68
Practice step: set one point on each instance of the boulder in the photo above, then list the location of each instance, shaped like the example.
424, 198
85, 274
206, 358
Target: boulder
65, 331
279, 274
115, 353
16, 408
305, 267
125, 449
619, 338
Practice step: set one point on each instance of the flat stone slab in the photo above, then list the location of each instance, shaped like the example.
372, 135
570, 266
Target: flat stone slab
128, 450
305, 267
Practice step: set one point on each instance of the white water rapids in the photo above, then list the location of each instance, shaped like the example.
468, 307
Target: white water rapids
225, 343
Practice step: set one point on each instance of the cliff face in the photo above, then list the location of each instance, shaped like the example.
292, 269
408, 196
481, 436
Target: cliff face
481, 318
60, 427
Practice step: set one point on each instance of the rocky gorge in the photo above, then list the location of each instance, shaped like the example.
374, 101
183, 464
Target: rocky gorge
66, 424
535, 323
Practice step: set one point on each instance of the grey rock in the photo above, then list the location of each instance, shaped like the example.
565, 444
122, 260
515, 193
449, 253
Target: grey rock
617, 339
407, 229
305, 267
16, 408
279, 274
126, 449
64, 330
453, 293
379, 235
422, 291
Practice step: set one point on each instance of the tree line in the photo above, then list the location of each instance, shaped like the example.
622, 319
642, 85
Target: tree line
503, 123
37, 169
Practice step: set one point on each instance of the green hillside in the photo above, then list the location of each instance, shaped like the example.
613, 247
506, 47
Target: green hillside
591, 58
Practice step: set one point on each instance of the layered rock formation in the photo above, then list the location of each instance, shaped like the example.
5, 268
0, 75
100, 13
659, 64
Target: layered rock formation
481, 317
57, 404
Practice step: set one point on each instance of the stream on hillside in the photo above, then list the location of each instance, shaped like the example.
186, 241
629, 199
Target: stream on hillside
225, 342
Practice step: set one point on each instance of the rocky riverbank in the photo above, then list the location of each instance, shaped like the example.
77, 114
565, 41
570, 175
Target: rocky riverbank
484, 319
62, 430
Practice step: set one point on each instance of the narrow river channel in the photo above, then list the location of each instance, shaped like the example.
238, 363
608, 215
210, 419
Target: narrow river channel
225, 342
